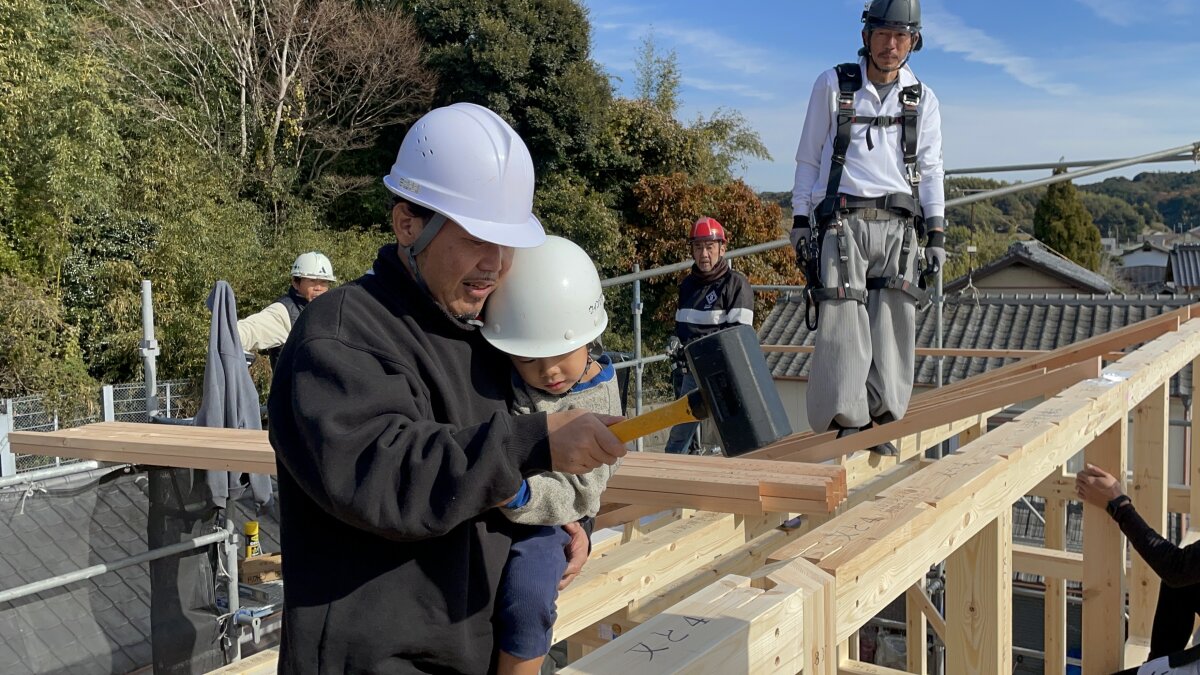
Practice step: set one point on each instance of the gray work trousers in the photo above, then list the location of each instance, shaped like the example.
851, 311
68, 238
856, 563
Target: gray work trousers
862, 366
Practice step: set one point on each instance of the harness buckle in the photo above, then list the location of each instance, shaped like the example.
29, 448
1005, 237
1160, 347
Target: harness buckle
914, 175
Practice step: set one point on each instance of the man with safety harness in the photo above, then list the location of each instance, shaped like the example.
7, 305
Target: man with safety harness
267, 330
868, 185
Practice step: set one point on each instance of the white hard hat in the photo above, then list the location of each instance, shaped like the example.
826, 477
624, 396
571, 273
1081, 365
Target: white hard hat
313, 265
466, 163
550, 302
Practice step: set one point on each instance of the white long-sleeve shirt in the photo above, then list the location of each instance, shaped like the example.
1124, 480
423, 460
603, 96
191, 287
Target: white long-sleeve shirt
869, 173
265, 330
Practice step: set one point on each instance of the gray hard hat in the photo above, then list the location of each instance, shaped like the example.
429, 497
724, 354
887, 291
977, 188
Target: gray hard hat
902, 15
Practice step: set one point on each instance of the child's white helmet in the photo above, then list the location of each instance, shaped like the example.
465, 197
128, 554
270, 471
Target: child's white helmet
550, 303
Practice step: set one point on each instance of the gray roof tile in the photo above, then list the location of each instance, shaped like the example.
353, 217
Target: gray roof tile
985, 321
1035, 254
1183, 265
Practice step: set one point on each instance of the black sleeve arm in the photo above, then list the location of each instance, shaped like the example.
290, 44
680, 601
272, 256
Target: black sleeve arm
1175, 566
360, 442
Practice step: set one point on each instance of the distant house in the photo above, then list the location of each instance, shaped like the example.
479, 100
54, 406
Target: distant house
1183, 268
1144, 267
1032, 267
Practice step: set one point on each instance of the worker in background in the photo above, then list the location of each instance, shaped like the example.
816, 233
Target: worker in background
1177, 568
391, 426
868, 185
711, 297
267, 330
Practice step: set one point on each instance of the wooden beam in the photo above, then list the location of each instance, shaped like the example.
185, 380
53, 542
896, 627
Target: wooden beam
636, 569
946, 352
1047, 562
979, 601
1104, 576
624, 513
862, 467
1062, 486
1193, 479
853, 667
729, 627
918, 598
265, 662
877, 549
999, 397
1054, 608
819, 637
915, 654
744, 560
1148, 490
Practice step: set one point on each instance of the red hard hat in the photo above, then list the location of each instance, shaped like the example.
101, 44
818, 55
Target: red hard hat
707, 229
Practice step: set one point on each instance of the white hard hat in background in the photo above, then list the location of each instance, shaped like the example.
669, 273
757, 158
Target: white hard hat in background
313, 265
466, 163
550, 303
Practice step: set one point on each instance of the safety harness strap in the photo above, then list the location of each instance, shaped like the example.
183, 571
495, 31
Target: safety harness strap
850, 80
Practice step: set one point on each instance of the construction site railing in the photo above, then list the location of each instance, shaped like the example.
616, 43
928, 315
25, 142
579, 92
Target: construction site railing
1183, 152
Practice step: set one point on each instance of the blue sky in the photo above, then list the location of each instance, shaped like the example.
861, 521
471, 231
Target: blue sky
1019, 81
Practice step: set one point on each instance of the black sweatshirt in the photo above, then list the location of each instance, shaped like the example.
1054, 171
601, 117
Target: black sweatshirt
1175, 566
390, 424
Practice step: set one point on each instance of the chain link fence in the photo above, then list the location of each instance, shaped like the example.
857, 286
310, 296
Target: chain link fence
176, 398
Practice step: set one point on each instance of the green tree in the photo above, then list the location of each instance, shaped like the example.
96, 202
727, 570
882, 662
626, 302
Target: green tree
528, 60
666, 207
293, 90
658, 77
1063, 223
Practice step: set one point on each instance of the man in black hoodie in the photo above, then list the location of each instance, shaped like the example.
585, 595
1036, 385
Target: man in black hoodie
389, 418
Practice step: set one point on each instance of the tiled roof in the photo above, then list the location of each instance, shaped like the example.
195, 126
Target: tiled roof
1035, 254
98, 626
1146, 246
983, 321
1183, 267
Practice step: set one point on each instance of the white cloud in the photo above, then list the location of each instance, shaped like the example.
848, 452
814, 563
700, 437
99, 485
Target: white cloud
1130, 12
716, 49
1119, 12
950, 33
739, 88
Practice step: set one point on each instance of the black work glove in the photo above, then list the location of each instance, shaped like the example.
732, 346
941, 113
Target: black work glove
935, 244
801, 231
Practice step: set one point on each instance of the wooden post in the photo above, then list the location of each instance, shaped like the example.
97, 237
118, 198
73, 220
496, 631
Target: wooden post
1104, 564
914, 619
979, 601
1149, 494
1194, 438
1055, 607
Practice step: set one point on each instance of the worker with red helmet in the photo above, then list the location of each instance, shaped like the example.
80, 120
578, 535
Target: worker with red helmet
711, 297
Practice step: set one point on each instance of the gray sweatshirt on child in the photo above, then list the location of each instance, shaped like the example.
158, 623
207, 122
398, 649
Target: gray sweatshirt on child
560, 498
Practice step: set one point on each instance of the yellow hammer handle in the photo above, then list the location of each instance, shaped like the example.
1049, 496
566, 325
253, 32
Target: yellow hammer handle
655, 420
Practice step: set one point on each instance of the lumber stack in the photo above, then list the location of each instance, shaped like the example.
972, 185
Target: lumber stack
745, 486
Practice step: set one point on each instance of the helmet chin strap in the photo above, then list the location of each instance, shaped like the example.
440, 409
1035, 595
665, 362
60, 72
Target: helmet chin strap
586, 367
430, 231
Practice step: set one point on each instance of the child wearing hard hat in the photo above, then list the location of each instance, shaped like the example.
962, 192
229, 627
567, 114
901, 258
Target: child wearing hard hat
547, 317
